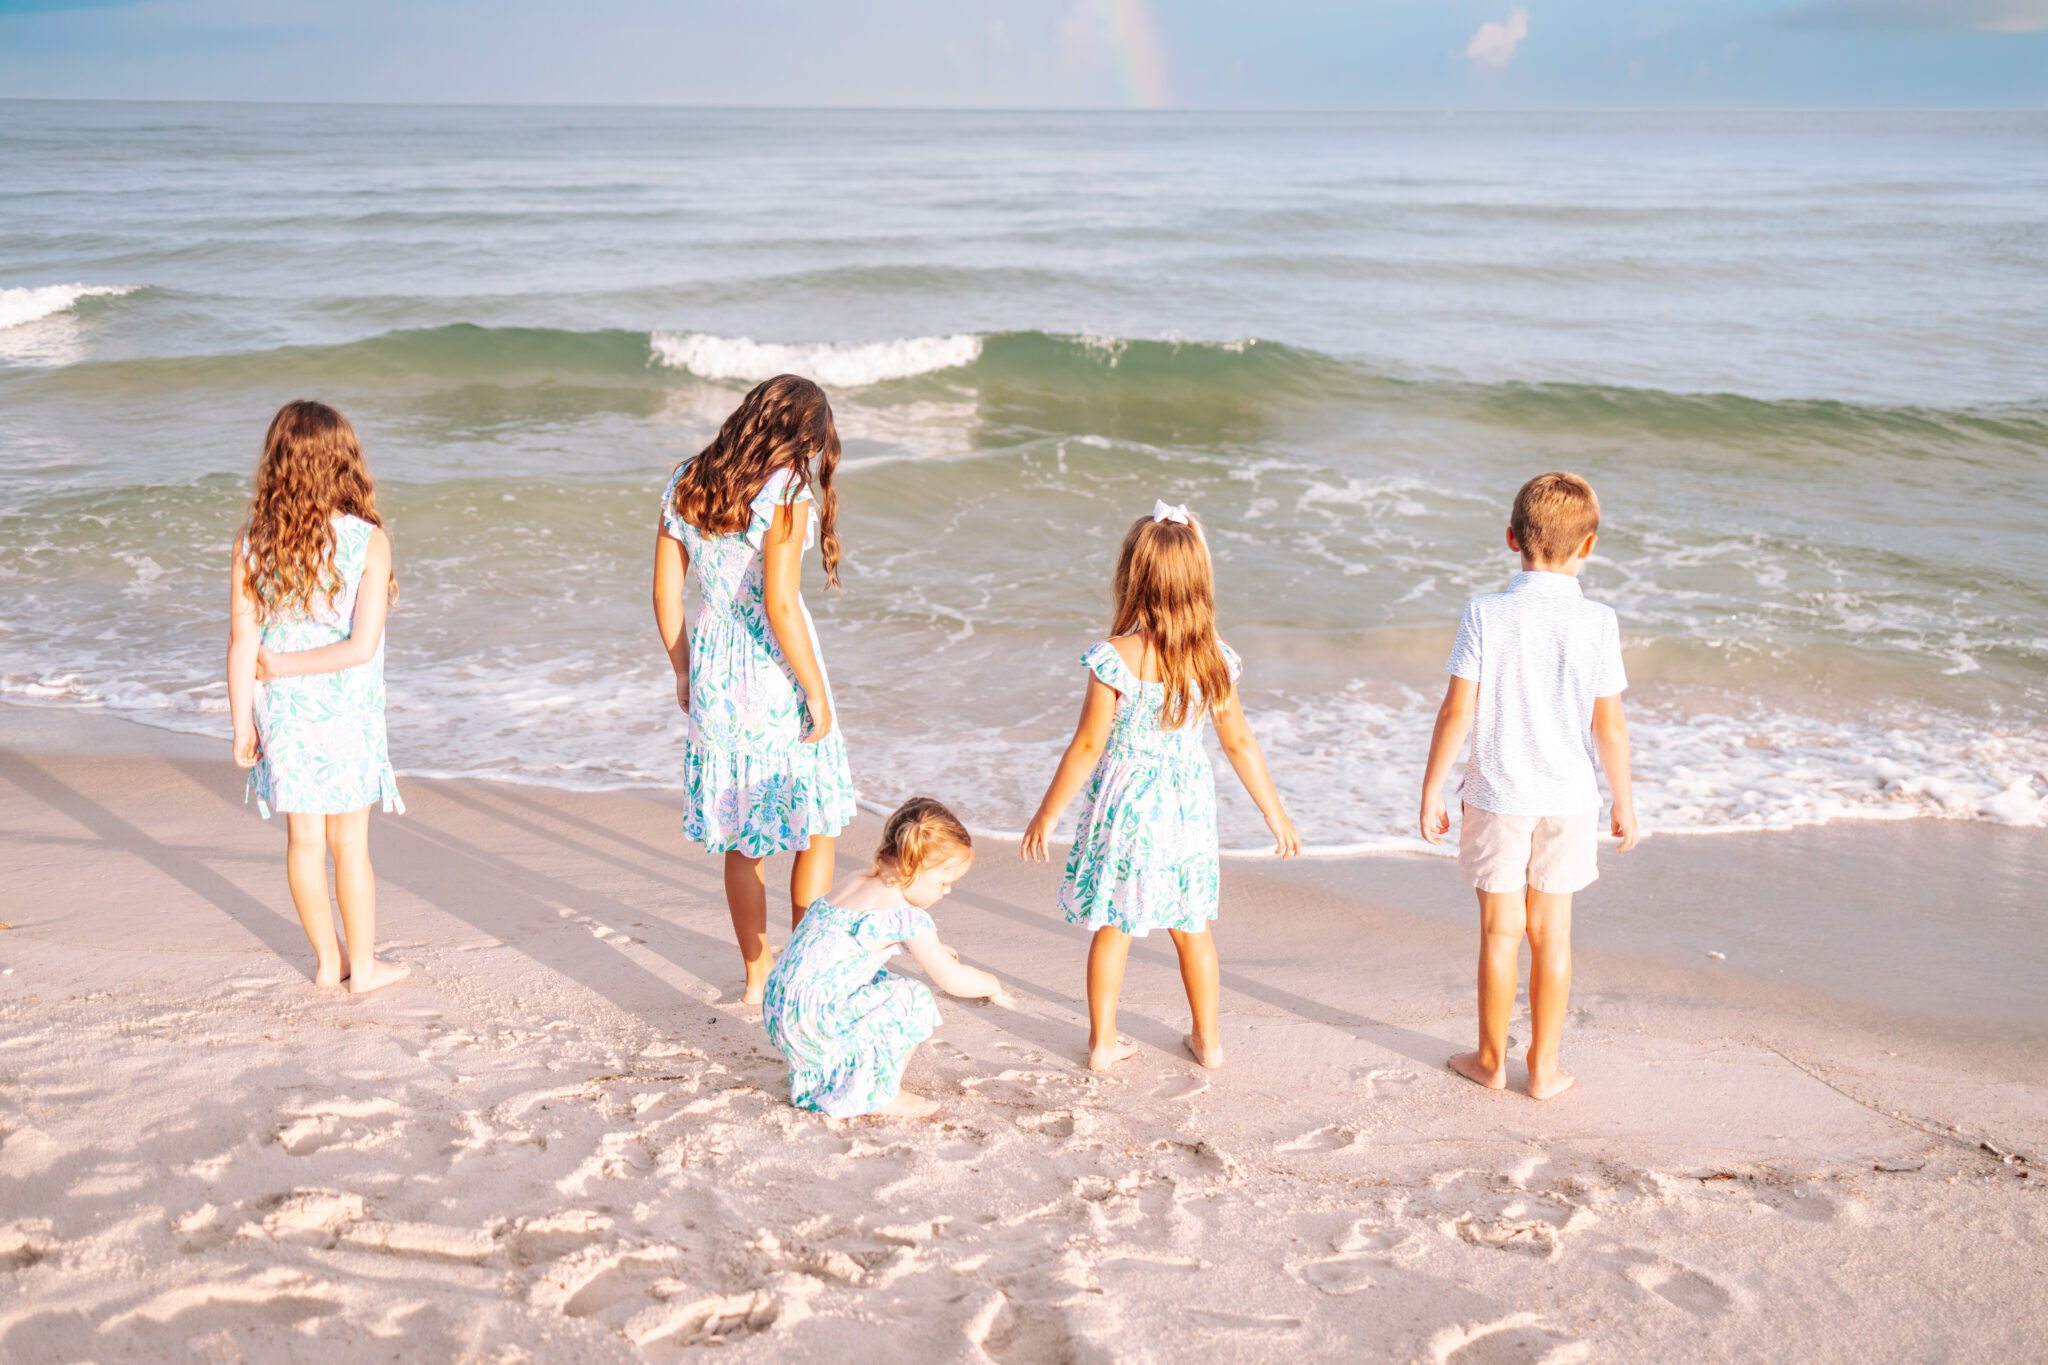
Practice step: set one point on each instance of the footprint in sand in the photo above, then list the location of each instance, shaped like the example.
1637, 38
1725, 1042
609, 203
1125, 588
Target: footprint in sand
1518, 1339
1338, 1274
1181, 1087
1390, 1244
1681, 1286
1270, 1325
1331, 1138
707, 1321
1057, 1124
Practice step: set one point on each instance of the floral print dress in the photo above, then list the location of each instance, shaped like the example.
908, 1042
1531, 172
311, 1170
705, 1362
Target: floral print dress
322, 740
1145, 842
753, 785
846, 1024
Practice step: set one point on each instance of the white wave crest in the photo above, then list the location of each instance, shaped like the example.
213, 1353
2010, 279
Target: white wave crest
19, 307
846, 364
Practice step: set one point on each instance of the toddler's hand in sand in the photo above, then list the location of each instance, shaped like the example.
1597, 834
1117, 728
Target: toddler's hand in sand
1002, 999
1286, 843
247, 749
1032, 850
1436, 821
1625, 828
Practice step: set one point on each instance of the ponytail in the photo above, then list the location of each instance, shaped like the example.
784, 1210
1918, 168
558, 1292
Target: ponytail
919, 835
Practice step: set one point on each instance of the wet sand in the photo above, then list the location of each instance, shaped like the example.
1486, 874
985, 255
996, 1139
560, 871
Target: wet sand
564, 1139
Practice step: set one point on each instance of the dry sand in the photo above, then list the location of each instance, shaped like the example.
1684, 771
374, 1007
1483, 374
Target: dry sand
565, 1140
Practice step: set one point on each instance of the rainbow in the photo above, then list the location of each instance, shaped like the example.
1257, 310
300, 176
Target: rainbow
1139, 61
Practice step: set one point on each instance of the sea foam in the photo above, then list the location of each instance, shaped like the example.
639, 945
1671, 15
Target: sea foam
19, 307
846, 364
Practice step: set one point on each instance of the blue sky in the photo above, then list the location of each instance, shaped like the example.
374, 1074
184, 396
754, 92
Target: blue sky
1042, 53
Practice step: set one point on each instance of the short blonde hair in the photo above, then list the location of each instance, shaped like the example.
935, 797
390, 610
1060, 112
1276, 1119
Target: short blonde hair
919, 834
1554, 513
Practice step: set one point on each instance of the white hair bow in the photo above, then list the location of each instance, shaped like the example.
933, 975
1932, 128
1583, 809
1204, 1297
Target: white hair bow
1162, 512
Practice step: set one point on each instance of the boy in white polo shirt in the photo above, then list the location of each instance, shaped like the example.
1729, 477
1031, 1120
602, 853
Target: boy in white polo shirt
1536, 679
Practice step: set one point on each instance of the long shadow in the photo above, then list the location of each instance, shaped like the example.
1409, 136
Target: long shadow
282, 936
1417, 1047
452, 793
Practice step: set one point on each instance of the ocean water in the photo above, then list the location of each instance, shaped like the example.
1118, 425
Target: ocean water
1803, 357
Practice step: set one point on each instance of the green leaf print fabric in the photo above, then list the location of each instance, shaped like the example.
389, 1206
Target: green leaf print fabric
844, 1022
1145, 841
753, 785
322, 737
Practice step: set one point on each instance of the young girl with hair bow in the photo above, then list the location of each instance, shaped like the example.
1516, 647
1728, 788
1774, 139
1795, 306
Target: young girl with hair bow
1145, 853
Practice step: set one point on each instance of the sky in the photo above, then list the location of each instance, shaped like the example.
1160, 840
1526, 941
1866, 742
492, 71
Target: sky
1041, 53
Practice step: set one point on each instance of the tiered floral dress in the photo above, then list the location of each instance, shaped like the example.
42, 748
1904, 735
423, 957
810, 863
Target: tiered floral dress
754, 786
322, 735
846, 1024
1145, 842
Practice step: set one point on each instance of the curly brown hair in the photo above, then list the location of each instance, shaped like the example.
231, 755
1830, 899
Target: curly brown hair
919, 834
784, 423
312, 470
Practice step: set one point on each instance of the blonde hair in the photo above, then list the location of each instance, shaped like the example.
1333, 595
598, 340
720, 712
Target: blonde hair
312, 469
1554, 513
1166, 587
919, 834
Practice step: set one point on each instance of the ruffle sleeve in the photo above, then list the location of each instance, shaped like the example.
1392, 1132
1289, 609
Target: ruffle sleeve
1105, 663
878, 928
1232, 661
783, 487
671, 524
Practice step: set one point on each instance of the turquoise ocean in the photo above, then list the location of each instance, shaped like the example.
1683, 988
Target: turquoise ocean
1804, 357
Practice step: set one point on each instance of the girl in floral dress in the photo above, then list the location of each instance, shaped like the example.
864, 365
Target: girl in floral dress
847, 1025
1144, 853
764, 765
308, 589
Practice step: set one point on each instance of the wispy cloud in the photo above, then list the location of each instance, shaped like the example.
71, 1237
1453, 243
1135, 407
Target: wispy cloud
1494, 44
1984, 16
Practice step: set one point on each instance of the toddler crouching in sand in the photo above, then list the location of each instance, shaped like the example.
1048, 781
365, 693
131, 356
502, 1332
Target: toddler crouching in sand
846, 1024
1536, 678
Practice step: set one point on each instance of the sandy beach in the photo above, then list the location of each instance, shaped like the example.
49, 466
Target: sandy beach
564, 1139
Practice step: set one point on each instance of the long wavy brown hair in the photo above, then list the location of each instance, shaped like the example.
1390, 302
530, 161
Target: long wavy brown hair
785, 423
1165, 585
312, 469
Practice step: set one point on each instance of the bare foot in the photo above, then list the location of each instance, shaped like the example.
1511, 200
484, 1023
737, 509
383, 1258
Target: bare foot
377, 976
908, 1105
1466, 1064
1210, 1057
757, 986
331, 976
1550, 1085
1116, 1050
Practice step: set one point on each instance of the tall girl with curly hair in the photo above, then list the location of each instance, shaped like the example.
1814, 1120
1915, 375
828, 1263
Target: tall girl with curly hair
764, 765
308, 590
1144, 853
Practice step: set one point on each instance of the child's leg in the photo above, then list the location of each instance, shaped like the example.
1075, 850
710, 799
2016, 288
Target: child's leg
1106, 955
908, 1104
809, 877
355, 890
305, 869
1550, 986
1503, 918
1199, 974
746, 896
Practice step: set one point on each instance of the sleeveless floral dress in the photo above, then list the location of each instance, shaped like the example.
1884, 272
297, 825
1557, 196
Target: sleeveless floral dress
753, 785
845, 1023
322, 735
1145, 841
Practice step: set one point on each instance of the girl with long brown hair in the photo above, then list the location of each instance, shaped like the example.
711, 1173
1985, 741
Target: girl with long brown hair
763, 765
1145, 854
307, 593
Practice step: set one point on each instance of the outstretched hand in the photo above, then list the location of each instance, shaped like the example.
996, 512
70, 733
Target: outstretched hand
1032, 850
1286, 843
1002, 999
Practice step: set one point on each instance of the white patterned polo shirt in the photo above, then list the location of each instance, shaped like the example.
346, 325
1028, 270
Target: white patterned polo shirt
1540, 653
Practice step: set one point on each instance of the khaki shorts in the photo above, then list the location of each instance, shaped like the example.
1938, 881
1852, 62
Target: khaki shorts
1557, 854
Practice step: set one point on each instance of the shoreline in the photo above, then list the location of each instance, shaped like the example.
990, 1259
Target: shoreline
563, 1139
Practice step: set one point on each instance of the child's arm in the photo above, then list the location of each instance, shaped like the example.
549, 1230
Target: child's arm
1453, 723
671, 568
245, 638
1610, 739
1241, 747
365, 631
782, 600
953, 976
1098, 710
